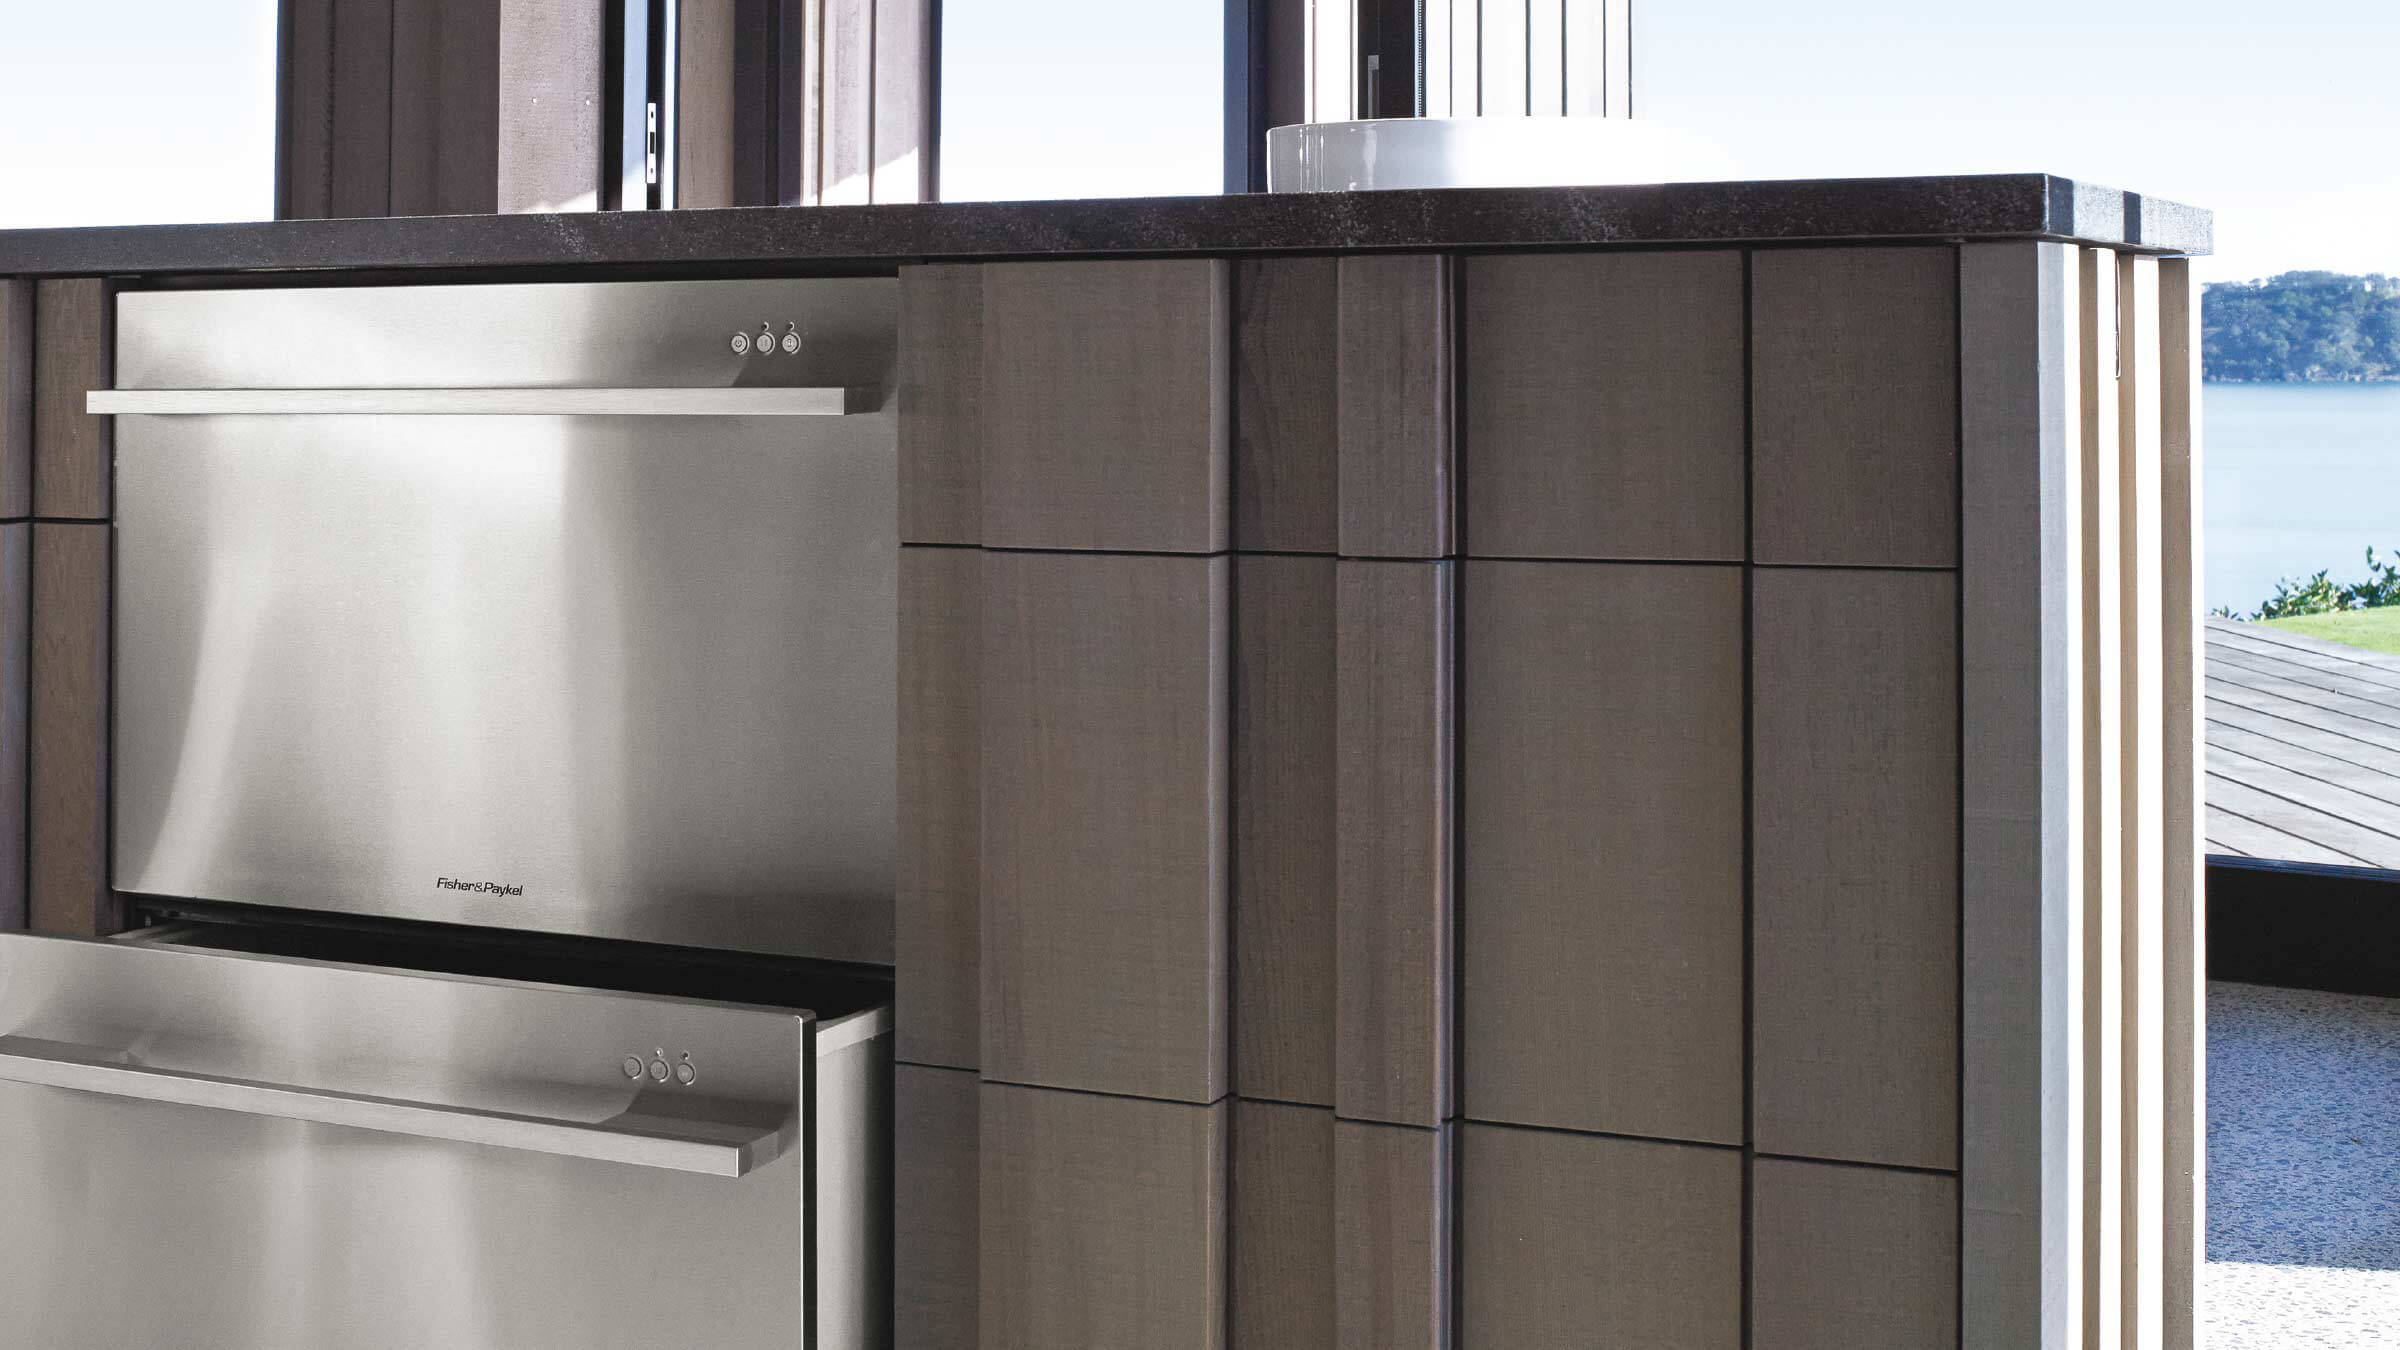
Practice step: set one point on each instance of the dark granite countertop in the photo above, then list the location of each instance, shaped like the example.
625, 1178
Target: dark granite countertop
1980, 207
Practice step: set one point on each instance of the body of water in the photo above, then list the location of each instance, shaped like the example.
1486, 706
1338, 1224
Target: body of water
2296, 477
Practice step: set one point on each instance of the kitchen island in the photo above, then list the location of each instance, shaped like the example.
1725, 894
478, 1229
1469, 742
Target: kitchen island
1484, 768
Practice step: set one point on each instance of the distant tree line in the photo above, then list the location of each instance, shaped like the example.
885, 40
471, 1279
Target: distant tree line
2302, 326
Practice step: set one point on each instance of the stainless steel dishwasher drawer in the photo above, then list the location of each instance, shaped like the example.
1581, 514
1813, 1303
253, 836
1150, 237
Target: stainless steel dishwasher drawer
220, 1150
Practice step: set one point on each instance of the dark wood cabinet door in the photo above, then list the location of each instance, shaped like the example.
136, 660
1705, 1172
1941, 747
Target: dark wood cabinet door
938, 897
941, 404
1105, 409
1852, 1256
1602, 915
1283, 801
1283, 1226
936, 1230
1574, 1240
1855, 865
1604, 405
17, 305
1855, 406
67, 742
1391, 1210
1393, 844
1284, 363
1395, 375
1104, 825
1104, 1222
74, 451
16, 598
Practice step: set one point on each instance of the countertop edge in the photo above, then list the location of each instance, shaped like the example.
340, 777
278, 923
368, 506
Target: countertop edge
1973, 208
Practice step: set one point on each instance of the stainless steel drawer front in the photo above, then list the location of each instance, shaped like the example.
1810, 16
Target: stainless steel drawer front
261, 1229
627, 676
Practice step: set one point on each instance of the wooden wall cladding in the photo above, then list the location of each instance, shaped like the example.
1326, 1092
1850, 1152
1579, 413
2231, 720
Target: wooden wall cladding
1394, 371
67, 768
1106, 420
1855, 406
1573, 1239
1848, 1256
1602, 909
553, 113
73, 451
1603, 410
1103, 1221
1104, 704
392, 107
1284, 776
935, 1222
1854, 742
1394, 841
937, 942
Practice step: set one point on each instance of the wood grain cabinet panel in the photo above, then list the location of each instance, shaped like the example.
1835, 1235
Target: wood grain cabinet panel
1394, 370
73, 451
1855, 902
1283, 854
1393, 843
1852, 1258
1855, 412
1105, 823
935, 1229
1104, 1222
1605, 410
67, 766
17, 306
1574, 1240
1283, 1226
1391, 1236
16, 574
1602, 925
937, 939
941, 404
1106, 412
1284, 364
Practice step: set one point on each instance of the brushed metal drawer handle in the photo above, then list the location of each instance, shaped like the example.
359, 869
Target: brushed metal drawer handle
676, 402
715, 1148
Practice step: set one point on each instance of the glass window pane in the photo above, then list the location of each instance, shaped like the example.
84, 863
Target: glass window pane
140, 112
1082, 98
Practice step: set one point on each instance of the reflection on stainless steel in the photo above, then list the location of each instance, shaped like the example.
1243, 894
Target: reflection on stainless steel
622, 676
257, 1232
755, 402
719, 1148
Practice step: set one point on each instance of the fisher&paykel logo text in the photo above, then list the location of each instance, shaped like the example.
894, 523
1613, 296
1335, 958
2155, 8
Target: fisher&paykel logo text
480, 887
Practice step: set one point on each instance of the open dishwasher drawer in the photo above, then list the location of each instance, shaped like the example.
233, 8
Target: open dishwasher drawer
218, 1135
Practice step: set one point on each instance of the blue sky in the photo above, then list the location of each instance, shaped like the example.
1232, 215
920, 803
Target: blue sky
2280, 116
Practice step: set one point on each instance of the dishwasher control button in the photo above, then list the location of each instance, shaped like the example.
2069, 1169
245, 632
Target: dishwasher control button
791, 340
741, 344
685, 1073
765, 341
658, 1070
633, 1066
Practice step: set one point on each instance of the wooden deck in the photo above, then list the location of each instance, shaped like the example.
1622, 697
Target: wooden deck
2303, 748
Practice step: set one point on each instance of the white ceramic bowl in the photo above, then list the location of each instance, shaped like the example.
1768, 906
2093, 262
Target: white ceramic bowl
1437, 152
